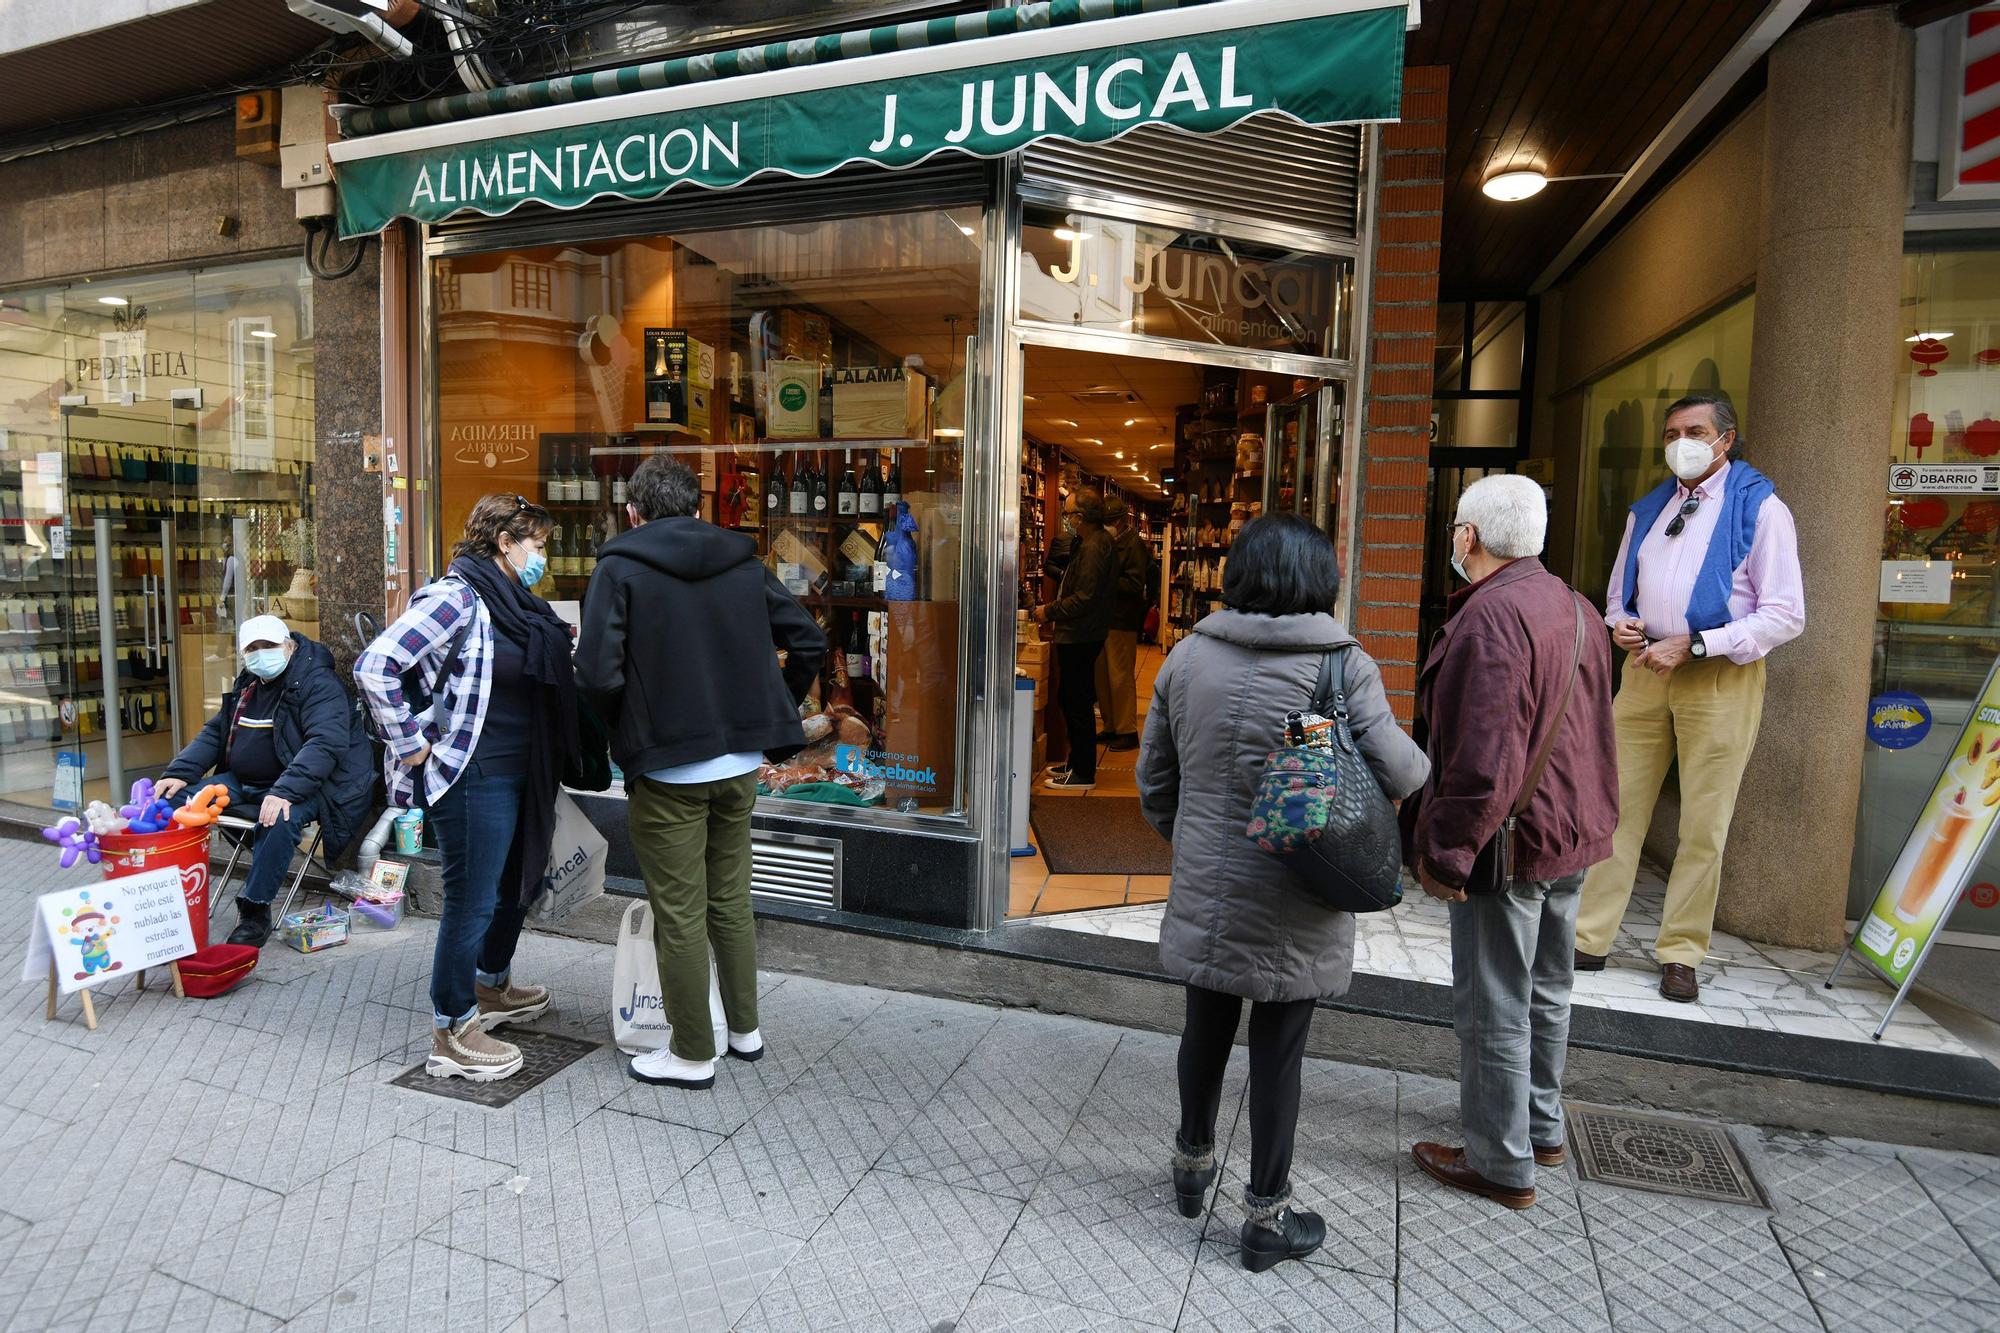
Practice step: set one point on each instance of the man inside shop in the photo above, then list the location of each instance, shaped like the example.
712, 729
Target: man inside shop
1706, 584
1078, 621
290, 747
1117, 694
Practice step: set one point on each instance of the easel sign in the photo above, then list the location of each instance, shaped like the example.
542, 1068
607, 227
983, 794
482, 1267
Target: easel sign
1938, 857
114, 928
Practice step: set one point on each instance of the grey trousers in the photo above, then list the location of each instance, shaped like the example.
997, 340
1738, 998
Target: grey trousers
1512, 961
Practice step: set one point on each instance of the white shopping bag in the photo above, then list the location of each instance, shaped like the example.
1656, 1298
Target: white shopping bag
577, 855
638, 1018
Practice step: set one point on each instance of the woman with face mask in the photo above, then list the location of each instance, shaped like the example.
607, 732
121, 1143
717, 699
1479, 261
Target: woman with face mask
489, 751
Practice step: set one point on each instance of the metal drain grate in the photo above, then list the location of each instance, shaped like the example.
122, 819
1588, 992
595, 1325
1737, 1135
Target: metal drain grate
1661, 1154
543, 1055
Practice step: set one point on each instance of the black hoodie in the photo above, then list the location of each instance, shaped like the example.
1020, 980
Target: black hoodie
677, 654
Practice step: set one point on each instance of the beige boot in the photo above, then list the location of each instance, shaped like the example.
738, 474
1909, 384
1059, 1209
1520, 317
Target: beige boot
515, 1004
465, 1051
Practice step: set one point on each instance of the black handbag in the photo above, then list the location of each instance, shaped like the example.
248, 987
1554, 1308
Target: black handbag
1493, 869
1356, 864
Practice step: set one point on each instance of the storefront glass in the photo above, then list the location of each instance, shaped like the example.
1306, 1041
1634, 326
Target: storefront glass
1624, 410
177, 410
1939, 626
814, 375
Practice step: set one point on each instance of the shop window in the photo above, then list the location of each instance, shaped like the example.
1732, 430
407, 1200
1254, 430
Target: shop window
1938, 630
813, 375
1114, 276
177, 411
1624, 411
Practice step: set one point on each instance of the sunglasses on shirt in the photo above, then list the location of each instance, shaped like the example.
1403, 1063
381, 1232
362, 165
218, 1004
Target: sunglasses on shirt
1688, 508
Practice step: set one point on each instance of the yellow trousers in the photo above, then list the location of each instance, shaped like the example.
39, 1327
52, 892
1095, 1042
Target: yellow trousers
1116, 698
1705, 714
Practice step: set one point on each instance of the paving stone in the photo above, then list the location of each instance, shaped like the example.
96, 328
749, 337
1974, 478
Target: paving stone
897, 1253
1115, 1246
1225, 1298
1655, 1249
1864, 1218
283, 1145
573, 1190
426, 1286
1966, 1189
671, 1269
152, 1302
352, 1225
1859, 1307
792, 1163
904, 1051
1004, 1310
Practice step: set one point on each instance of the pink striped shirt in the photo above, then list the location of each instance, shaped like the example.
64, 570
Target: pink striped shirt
1767, 600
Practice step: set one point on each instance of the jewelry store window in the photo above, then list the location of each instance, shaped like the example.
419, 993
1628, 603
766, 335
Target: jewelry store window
813, 375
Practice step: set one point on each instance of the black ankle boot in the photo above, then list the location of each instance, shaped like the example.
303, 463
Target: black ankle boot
253, 923
1274, 1230
1194, 1172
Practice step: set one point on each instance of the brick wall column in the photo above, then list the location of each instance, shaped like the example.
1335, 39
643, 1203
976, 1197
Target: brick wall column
1402, 334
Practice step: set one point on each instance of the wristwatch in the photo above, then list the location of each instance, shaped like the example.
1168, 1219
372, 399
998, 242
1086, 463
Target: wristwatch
1696, 648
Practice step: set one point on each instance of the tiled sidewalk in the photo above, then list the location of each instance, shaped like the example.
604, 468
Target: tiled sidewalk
897, 1162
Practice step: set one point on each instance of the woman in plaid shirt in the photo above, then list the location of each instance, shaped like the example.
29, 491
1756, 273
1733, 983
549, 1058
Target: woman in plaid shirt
489, 750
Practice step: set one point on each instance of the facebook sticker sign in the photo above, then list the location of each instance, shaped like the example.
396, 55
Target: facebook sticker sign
903, 770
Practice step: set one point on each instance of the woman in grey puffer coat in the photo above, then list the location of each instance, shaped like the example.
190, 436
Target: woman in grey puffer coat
1236, 927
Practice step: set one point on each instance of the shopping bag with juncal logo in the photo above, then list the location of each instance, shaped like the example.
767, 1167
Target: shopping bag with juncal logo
638, 1016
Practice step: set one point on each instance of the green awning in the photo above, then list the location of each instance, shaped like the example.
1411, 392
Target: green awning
890, 96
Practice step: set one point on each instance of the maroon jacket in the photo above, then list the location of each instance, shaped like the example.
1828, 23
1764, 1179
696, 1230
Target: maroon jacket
1488, 692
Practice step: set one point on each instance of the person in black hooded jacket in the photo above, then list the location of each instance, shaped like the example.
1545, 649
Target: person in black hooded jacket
682, 627
290, 747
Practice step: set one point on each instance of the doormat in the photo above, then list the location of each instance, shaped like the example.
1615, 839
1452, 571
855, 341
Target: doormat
1661, 1154
543, 1056
1098, 835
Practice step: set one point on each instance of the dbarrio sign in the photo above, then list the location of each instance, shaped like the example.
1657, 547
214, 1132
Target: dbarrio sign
1174, 67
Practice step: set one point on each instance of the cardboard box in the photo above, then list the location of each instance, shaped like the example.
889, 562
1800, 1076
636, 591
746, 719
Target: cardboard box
791, 408
879, 403
680, 380
1037, 652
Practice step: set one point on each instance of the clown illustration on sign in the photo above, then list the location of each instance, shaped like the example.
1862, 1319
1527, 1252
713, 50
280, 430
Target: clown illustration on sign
89, 927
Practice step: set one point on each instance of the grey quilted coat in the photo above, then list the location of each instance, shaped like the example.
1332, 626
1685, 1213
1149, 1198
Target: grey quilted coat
1234, 921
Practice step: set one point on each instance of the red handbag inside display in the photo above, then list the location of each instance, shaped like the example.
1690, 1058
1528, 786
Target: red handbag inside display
217, 970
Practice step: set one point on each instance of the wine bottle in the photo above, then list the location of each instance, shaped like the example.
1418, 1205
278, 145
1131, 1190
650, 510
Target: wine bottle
871, 490
774, 491
586, 557
857, 648
801, 492
586, 476
819, 496
619, 495
892, 489
557, 551
850, 494
573, 479
552, 488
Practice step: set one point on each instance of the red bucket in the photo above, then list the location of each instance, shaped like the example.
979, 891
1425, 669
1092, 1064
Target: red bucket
184, 849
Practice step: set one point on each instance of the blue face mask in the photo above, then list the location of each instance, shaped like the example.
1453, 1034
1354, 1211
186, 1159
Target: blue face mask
265, 663
531, 573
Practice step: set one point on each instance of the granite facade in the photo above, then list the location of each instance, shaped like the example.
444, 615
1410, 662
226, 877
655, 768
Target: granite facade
347, 501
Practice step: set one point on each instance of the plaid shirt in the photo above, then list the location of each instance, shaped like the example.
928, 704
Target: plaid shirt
420, 637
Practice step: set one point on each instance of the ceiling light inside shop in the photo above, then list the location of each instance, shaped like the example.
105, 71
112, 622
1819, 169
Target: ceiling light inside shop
1119, 454
1511, 187
967, 230
1071, 234
1065, 421
262, 333
1940, 335
112, 300
1090, 439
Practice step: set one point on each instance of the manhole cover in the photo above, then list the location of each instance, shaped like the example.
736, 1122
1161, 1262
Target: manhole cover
1661, 1154
544, 1055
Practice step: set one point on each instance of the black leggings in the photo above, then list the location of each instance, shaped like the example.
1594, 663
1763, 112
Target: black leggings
1277, 1046
1076, 690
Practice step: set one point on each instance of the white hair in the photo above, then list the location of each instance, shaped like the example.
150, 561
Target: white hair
1511, 514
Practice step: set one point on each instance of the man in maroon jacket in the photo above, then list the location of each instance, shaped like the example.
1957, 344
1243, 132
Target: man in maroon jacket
1499, 682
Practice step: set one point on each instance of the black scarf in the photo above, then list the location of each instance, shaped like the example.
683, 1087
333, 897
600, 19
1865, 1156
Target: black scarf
545, 659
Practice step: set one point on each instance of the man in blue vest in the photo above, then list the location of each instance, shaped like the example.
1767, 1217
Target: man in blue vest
1705, 585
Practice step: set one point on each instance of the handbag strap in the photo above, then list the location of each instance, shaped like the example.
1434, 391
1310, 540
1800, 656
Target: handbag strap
1548, 744
1329, 697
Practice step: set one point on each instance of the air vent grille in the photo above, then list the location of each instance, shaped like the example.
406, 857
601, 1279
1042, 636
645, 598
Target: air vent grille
787, 867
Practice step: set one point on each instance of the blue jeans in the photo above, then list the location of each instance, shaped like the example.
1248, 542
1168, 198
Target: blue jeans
481, 920
271, 849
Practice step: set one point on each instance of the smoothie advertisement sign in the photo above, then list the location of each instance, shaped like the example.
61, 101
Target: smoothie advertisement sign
1950, 836
1323, 68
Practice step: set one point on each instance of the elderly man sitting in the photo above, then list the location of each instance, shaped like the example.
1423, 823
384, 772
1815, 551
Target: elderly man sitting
290, 747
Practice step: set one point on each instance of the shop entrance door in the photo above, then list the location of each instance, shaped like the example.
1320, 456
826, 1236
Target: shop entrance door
1452, 470
1301, 434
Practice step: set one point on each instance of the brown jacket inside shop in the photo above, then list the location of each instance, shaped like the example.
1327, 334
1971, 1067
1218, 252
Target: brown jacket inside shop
1488, 693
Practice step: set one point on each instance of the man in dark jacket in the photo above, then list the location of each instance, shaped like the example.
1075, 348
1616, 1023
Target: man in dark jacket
1116, 689
1079, 620
289, 745
1499, 691
682, 627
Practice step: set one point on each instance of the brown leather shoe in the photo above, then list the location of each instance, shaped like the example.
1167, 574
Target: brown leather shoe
1589, 962
1555, 1156
1678, 982
1447, 1167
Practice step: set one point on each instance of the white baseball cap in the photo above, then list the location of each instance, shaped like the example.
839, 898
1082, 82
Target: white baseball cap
261, 629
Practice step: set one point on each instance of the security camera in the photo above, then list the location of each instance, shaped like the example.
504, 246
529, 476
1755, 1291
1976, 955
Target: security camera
362, 18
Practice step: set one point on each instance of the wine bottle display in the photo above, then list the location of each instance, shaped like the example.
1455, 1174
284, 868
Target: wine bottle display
819, 492
892, 489
871, 490
774, 494
849, 500
801, 502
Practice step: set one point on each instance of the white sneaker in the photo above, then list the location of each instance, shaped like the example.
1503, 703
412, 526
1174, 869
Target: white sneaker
746, 1045
665, 1068
465, 1051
